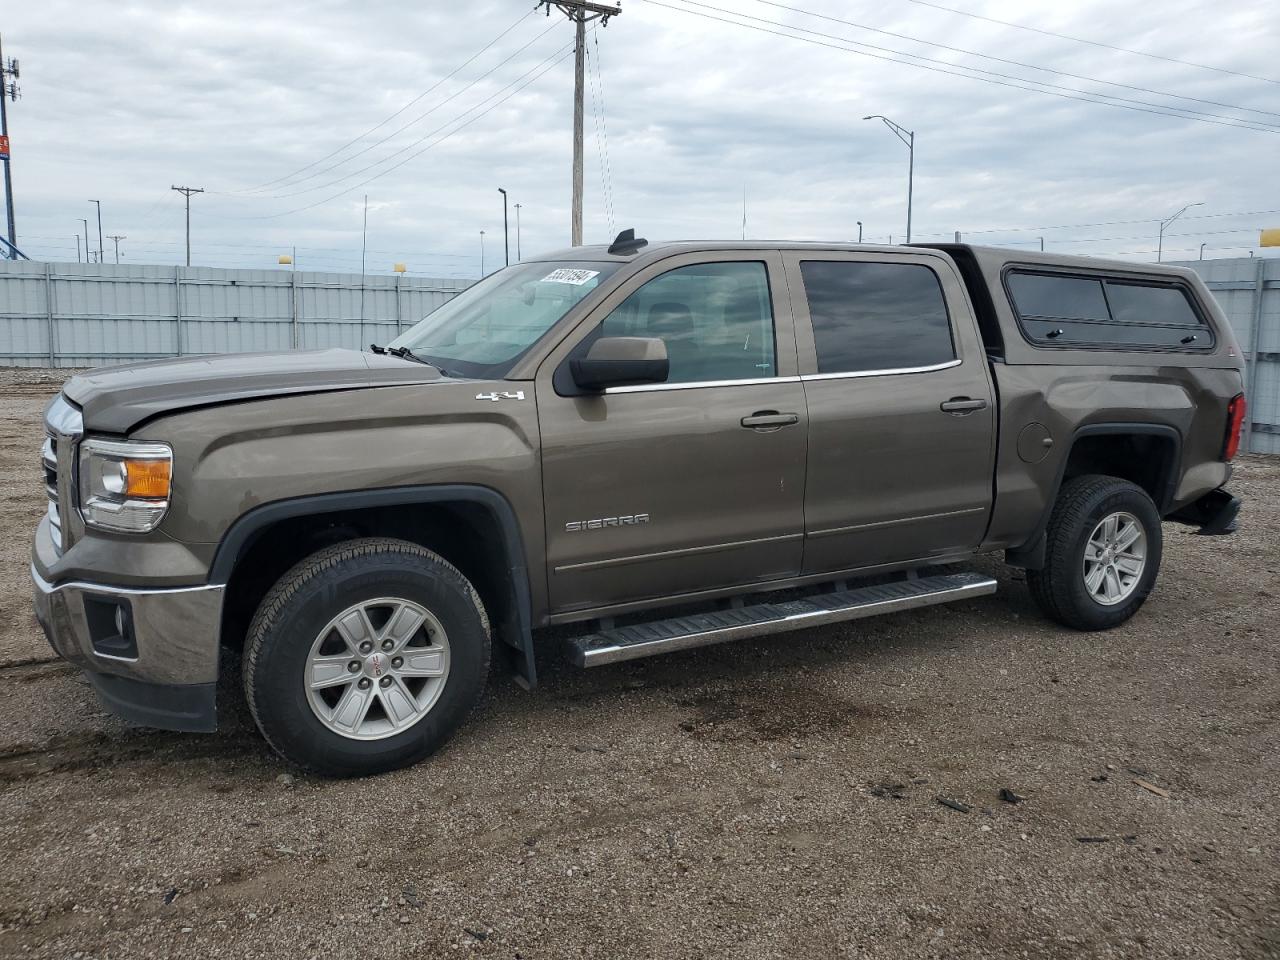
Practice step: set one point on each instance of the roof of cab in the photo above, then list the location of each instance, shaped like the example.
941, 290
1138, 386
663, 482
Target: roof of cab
989, 256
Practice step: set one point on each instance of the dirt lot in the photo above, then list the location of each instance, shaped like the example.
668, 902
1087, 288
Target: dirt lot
776, 798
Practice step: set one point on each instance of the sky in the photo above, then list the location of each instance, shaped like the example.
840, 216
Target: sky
288, 119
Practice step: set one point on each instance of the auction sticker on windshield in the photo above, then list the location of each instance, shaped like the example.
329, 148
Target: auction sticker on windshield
575, 277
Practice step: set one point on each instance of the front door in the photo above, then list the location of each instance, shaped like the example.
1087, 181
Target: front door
692, 485
901, 410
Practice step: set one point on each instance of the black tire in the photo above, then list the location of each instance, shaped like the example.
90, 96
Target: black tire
309, 596
1059, 588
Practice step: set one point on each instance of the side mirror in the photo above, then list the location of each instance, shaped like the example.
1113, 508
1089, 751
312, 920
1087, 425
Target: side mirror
621, 361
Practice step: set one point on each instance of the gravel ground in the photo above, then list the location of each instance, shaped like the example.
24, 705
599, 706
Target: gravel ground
777, 798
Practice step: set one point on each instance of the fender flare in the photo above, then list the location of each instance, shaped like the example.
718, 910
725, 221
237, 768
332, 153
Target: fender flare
519, 634
1031, 554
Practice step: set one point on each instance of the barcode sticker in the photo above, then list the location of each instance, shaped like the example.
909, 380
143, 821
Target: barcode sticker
575, 277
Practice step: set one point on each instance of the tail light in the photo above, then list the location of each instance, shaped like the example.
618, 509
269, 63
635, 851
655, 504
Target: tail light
1235, 425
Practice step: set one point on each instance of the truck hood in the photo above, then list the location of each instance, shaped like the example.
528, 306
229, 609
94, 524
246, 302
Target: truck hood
116, 399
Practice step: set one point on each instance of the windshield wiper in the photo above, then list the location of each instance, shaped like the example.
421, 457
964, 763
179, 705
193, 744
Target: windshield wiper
374, 348
404, 353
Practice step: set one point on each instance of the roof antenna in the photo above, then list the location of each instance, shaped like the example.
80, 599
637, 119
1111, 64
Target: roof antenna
627, 243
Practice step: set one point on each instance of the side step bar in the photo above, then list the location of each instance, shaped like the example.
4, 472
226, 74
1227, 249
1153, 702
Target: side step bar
720, 626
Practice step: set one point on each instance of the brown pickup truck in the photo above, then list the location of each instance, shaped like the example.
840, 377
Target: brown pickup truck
668, 444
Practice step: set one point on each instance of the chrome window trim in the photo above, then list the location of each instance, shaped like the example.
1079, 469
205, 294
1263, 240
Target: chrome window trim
699, 384
882, 373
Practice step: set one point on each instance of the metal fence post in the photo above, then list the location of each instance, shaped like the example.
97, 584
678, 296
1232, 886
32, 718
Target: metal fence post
177, 307
1255, 344
293, 296
48, 308
399, 308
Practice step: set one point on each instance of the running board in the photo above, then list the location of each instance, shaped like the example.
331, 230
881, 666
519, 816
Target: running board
720, 626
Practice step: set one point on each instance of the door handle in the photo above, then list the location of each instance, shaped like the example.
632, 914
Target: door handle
766, 420
961, 406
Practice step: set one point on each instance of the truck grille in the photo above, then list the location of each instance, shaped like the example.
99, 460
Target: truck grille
63, 427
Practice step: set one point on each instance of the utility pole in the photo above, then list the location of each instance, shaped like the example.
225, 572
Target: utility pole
518, 233
506, 236
101, 257
187, 192
9, 74
117, 238
581, 12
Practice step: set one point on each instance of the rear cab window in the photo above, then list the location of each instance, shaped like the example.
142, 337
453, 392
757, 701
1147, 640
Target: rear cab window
1096, 311
873, 317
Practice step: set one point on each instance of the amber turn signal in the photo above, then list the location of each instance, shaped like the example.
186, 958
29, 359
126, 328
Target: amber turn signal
147, 479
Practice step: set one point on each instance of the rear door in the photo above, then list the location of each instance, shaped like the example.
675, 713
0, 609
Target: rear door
901, 409
696, 484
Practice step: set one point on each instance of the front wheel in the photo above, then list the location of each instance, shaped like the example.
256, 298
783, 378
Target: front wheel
365, 657
1102, 554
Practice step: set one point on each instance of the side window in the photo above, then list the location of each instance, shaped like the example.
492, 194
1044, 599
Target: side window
715, 318
1062, 310
876, 316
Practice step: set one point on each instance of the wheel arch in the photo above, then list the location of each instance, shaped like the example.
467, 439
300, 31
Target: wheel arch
465, 523
1103, 448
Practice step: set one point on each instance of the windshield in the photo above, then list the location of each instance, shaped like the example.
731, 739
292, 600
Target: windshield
483, 330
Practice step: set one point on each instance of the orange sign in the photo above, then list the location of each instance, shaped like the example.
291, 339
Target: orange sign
4, 146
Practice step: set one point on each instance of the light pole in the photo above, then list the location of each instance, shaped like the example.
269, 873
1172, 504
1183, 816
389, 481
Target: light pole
481, 254
1202, 251
506, 235
1164, 223
518, 258
88, 257
101, 258
909, 138
859, 231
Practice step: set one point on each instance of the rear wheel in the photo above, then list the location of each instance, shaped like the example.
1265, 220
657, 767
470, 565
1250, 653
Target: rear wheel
1102, 554
366, 657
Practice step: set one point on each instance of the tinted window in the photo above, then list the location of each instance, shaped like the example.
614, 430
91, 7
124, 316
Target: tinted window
1063, 298
1136, 303
876, 316
715, 318
1068, 311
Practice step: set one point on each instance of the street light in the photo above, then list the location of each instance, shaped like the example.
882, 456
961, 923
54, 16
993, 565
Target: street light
859, 231
1202, 251
481, 254
88, 257
909, 138
506, 236
518, 257
100, 256
1164, 223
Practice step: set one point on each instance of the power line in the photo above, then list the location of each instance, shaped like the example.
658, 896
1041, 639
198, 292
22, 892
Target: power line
397, 131
602, 132
1111, 223
521, 19
376, 163
941, 66
1013, 63
342, 193
1092, 43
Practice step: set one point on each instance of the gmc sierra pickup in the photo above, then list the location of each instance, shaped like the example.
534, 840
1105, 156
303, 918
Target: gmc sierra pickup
648, 440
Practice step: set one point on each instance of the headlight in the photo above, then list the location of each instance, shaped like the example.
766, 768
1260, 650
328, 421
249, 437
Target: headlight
124, 486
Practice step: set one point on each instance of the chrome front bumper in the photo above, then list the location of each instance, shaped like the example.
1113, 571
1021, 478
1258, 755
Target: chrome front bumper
155, 663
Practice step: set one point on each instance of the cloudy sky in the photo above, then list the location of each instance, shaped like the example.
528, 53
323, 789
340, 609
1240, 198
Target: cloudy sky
288, 115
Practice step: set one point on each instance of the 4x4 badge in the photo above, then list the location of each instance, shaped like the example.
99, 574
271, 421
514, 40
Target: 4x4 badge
505, 395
